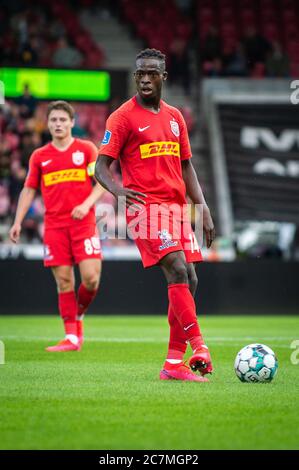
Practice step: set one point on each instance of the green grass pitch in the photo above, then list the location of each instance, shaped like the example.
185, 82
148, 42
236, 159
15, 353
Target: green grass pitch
109, 396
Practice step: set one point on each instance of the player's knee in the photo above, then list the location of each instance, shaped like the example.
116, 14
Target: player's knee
178, 272
64, 284
193, 282
91, 282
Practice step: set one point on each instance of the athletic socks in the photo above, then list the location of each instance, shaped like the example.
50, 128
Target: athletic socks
72, 311
177, 339
67, 304
182, 303
85, 297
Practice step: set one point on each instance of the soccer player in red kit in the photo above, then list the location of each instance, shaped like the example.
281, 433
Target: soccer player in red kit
63, 169
150, 139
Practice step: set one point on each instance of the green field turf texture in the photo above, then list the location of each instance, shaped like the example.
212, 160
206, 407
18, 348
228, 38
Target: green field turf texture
109, 396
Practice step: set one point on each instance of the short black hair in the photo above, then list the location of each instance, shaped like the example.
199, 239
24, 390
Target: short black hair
151, 54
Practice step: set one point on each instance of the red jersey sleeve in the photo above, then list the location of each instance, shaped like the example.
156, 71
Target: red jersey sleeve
116, 134
34, 174
185, 147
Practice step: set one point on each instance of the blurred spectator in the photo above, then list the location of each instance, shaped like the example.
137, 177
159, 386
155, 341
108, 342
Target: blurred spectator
179, 68
256, 47
277, 63
236, 62
66, 55
28, 36
56, 29
4, 202
29, 142
213, 68
5, 153
27, 103
185, 6
212, 46
29, 53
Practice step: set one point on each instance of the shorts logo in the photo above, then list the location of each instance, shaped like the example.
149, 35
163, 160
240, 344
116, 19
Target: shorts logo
158, 149
166, 239
47, 253
72, 174
107, 137
78, 158
175, 128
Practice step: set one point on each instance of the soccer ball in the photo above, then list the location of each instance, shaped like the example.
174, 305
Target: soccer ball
256, 363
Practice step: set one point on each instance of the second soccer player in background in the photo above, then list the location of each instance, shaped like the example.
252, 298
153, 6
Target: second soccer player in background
63, 169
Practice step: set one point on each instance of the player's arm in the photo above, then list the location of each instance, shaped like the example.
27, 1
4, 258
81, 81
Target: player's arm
195, 193
25, 200
104, 176
80, 211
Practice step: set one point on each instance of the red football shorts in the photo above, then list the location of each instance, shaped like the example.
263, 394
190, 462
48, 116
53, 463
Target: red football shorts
157, 233
70, 245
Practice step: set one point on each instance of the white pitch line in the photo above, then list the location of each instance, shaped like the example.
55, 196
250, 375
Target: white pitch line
212, 339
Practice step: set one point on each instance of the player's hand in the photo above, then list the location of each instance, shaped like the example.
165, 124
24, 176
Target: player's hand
14, 233
79, 212
131, 197
208, 226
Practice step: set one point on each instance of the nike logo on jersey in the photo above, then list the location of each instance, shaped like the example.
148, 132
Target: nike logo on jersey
46, 162
141, 129
189, 326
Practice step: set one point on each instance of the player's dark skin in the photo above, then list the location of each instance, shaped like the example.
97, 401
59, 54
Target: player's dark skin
149, 77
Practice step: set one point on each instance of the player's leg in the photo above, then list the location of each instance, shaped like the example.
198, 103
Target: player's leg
67, 303
86, 251
167, 251
90, 272
177, 337
201, 359
175, 269
181, 303
58, 256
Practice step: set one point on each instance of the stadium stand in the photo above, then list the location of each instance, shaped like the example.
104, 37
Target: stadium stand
234, 38
38, 34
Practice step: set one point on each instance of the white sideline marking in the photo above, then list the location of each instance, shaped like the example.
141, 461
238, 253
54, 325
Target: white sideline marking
212, 339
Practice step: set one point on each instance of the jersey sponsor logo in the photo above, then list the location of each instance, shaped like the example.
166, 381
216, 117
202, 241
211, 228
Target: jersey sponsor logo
46, 162
107, 137
78, 157
72, 174
174, 128
166, 239
141, 129
157, 149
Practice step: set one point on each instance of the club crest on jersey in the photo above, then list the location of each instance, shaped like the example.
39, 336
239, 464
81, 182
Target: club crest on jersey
78, 158
175, 128
166, 239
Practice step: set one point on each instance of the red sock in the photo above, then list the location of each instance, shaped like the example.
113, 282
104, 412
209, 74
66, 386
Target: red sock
177, 338
67, 304
85, 297
183, 305
80, 329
